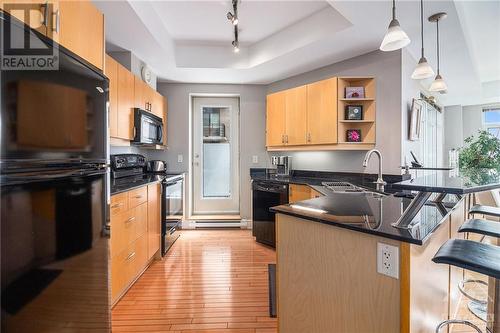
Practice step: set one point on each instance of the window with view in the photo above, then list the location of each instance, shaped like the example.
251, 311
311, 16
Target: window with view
491, 121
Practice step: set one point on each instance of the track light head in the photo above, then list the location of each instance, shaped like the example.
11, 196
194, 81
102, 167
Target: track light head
236, 46
233, 18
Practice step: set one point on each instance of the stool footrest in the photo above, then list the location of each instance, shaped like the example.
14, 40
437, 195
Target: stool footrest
482, 227
477, 257
486, 210
457, 322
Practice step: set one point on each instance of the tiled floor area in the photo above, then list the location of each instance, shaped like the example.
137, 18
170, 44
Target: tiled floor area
212, 281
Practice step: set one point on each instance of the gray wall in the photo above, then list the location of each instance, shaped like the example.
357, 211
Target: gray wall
453, 129
386, 67
472, 119
252, 129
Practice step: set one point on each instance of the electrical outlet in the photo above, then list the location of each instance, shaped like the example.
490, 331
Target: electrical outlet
388, 260
179, 158
255, 159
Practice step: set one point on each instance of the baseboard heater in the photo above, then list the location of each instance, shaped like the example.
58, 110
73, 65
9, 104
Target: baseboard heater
219, 224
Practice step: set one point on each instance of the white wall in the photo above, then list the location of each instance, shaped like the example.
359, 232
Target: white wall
252, 129
386, 67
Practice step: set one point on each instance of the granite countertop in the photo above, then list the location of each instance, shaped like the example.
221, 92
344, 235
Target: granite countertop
129, 183
453, 182
316, 178
367, 213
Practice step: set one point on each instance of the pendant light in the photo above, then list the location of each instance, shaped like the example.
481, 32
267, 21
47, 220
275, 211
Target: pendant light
423, 69
438, 85
395, 38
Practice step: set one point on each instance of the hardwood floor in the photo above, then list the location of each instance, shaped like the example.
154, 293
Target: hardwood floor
211, 281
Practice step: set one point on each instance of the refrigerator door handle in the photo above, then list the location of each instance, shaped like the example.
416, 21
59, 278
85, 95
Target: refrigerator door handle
23, 178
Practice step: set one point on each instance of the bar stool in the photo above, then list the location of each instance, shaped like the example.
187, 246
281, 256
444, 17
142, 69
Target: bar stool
476, 306
474, 256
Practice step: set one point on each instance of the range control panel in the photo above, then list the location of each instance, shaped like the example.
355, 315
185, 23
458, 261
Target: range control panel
125, 161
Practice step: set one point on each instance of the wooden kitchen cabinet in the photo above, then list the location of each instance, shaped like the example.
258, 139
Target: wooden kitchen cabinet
126, 101
135, 235
297, 192
76, 25
322, 112
111, 71
38, 14
296, 116
81, 30
312, 117
275, 119
154, 218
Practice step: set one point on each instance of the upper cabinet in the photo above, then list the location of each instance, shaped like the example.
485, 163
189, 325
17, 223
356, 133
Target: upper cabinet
323, 115
125, 104
111, 71
275, 120
322, 112
295, 116
76, 25
126, 92
81, 29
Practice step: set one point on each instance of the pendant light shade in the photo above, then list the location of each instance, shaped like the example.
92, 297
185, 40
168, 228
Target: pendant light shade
438, 85
395, 38
423, 69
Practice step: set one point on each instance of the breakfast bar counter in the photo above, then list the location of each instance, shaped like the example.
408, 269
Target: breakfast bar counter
328, 266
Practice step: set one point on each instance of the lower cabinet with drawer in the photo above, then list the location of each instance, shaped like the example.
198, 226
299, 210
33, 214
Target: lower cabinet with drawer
135, 221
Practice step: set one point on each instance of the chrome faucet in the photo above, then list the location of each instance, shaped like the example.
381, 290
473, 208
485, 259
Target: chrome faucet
380, 182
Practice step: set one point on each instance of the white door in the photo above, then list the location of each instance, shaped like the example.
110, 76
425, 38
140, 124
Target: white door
215, 156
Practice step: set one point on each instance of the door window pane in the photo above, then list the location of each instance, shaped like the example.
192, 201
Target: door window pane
495, 131
216, 153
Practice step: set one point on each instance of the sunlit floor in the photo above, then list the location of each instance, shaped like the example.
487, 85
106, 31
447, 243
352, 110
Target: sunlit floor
211, 281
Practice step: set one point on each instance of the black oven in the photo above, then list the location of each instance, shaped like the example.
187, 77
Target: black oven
148, 128
172, 210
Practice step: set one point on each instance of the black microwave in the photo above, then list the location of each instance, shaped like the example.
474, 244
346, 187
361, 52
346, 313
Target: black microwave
148, 128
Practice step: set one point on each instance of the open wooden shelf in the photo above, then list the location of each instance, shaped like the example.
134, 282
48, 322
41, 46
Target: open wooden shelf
356, 121
356, 99
367, 125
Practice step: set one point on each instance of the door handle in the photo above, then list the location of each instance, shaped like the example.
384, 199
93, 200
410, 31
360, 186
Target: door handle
55, 28
130, 220
45, 17
130, 256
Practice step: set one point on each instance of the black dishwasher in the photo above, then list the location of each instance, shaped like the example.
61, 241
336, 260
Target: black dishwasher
264, 196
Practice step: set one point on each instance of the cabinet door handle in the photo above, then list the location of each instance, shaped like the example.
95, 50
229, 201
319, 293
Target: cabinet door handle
308, 137
138, 196
130, 256
57, 22
283, 138
45, 17
130, 220
116, 205
286, 138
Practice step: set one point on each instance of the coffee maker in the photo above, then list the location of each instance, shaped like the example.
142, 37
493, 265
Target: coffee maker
283, 165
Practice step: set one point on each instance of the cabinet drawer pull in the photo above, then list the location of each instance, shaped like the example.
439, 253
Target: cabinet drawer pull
138, 196
116, 205
130, 219
130, 256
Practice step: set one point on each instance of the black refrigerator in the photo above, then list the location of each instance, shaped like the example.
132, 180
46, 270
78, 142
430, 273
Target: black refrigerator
54, 193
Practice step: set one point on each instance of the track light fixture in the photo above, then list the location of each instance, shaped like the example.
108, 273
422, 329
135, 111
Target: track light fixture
236, 43
233, 17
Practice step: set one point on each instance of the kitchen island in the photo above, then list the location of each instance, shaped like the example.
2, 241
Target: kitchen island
327, 279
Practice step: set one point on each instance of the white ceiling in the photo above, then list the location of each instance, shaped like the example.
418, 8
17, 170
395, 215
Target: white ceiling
205, 21
190, 41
